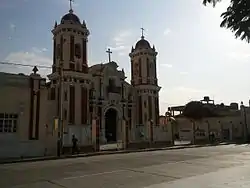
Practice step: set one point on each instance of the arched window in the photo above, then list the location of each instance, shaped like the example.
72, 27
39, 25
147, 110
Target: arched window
148, 68
58, 51
111, 82
139, 67
78, 50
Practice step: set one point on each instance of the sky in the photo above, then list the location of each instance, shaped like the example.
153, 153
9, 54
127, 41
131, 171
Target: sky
196, 57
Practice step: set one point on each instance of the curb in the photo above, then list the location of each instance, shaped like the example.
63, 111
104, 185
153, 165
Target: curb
108, 153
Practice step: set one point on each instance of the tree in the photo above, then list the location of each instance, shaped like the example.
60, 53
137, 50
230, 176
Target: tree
236, 18
196, 110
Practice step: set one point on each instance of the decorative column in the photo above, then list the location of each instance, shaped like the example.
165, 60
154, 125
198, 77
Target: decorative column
130, 116
35, 84
245, 129
94, 134
100, 100
95, 122
124, 122
151, 131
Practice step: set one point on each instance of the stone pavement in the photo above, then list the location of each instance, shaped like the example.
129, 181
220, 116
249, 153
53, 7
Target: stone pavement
224, 178
217, 167
106, 152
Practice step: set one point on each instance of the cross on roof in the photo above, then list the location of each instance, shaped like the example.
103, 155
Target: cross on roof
109, 54
35, 70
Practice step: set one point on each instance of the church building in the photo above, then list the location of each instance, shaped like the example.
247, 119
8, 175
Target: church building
77, 94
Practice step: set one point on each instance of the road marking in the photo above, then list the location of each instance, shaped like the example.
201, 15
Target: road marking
96, 174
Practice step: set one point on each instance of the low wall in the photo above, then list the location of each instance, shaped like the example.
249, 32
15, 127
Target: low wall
82, 133
224, 128
82, 149
163, 133
25, 149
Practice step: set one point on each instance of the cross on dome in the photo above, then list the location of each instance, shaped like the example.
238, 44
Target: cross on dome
142, 32
70, 6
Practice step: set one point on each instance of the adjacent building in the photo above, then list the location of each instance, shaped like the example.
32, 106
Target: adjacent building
230, 124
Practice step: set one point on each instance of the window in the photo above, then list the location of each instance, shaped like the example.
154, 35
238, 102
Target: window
58, 51
145, 117
8, 123
65, 95
78, 67
111, 82
72, 66
65, 114
201, 133
52, 93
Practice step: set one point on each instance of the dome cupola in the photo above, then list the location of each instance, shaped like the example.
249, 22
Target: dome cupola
142, 44
70, 17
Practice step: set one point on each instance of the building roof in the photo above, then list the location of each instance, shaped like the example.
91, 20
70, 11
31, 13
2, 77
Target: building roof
10, 79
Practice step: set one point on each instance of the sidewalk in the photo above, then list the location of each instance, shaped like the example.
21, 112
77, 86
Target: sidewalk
107, 152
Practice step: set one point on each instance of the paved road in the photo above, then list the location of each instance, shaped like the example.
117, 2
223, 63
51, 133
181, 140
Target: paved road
196, 167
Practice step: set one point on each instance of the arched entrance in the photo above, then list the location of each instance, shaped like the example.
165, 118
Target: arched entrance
110, 125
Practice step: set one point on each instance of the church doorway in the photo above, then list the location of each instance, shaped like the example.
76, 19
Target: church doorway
110, 125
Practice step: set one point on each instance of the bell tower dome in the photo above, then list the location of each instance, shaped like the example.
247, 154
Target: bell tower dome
70, 43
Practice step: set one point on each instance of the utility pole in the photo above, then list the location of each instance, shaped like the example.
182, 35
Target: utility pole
245, 121
194, 131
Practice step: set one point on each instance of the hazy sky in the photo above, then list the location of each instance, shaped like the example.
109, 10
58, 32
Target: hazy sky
195, 56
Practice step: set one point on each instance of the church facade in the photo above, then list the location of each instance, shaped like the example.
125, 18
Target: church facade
101, 90
79, 94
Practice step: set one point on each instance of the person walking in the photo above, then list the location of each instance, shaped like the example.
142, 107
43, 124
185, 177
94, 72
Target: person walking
74, 145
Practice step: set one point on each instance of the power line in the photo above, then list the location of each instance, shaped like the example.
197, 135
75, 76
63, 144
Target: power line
25, 65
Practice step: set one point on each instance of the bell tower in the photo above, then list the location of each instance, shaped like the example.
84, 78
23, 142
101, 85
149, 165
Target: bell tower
144, 79
70, 43
70, 81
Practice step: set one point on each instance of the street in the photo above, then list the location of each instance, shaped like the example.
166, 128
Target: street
217, 166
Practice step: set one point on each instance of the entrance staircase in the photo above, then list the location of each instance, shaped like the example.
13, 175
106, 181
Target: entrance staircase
111, 146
